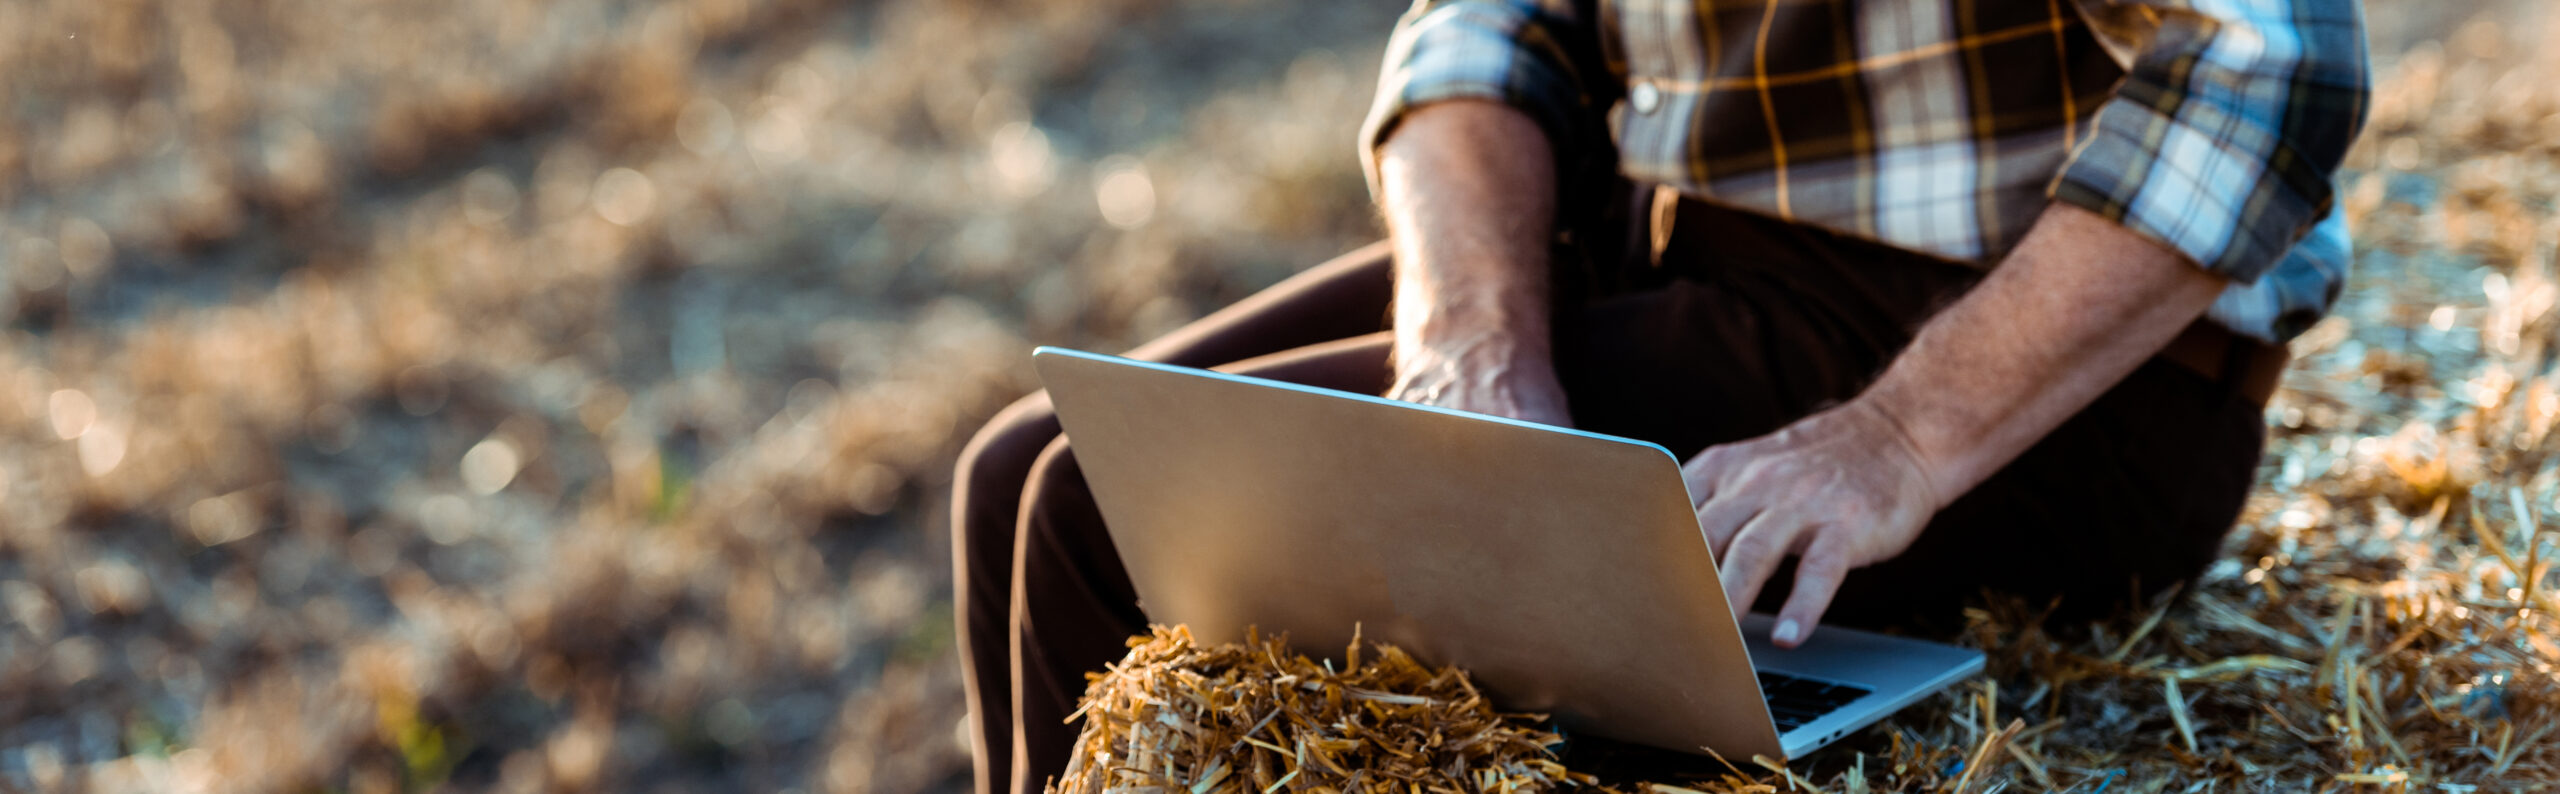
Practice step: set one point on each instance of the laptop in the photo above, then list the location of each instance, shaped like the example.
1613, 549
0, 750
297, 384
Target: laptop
1564, 570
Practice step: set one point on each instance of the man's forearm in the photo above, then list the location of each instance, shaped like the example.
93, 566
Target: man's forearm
1468, 188
2078, 305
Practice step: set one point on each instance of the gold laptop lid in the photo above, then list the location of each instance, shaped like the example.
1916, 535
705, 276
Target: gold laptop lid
1565, 570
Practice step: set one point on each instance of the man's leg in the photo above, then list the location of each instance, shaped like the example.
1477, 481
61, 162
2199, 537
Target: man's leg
1073, 608
1342, 298
986, 496
1073, 605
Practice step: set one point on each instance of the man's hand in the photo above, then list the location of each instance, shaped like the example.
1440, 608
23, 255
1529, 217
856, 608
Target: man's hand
2080, 303
1469, 193
1841, 489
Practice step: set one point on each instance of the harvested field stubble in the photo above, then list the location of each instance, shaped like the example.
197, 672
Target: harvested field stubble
560, 396
2383, 619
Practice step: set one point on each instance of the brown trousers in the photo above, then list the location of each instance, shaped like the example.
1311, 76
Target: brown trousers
1748, 324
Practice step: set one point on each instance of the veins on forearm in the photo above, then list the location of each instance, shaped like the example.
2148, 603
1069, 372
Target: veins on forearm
1469, 215
2080, 304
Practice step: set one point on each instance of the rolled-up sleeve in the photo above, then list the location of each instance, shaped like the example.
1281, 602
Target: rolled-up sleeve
2226, 135
1521, 53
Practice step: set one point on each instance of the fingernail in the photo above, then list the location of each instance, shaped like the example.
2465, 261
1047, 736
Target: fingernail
1787, 631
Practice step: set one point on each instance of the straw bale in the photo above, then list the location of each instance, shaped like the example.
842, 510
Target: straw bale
1257, 717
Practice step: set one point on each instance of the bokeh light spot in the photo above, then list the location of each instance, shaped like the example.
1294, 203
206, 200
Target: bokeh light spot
489, 198
730, 722
101, 448
1020, 153
1127, 197
445, 518
705, 127
221, 519
113, 587
73, 413
625, 197
76, 659
84, 248
35, 265
875, 489
777, 134
489, 466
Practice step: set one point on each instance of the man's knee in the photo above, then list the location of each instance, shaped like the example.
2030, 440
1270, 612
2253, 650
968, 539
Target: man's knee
992, 469
986, 495
1011, 439
1055, 501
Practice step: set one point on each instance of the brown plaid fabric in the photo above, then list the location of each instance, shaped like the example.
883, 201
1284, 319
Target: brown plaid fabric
1945, 126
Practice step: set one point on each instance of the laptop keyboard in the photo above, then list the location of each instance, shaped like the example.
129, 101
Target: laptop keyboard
1794, 701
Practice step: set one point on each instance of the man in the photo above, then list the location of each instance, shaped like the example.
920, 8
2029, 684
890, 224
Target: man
1931, 295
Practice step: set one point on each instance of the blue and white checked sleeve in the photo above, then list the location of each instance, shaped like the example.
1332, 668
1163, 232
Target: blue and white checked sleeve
1516, 52
2225, 138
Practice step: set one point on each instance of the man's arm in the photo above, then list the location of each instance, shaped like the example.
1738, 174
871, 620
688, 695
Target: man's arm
2078, 305
1477, 102
2081, 303
1469, 195
2214, 158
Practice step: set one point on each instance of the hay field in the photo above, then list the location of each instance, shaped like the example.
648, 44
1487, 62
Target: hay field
508, 396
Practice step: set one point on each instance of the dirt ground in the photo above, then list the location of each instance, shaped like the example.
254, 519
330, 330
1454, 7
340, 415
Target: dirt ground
507, 396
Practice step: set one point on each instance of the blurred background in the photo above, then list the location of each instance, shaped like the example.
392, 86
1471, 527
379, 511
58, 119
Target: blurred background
489, 395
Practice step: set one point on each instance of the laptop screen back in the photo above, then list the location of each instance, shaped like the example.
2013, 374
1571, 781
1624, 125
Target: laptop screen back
1564, 570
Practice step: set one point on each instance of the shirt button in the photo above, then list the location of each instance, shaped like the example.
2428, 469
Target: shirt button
1644, 96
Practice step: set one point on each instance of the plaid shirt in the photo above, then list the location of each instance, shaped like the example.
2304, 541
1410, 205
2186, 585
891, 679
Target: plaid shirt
2214, 127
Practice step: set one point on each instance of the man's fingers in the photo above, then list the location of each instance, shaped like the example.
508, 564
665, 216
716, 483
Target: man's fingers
1720, 518
1753, 557
1818, 575
1701, 475
1723, 520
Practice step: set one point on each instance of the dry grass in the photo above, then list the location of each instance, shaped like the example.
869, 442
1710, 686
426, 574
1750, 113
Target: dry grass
560, 396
